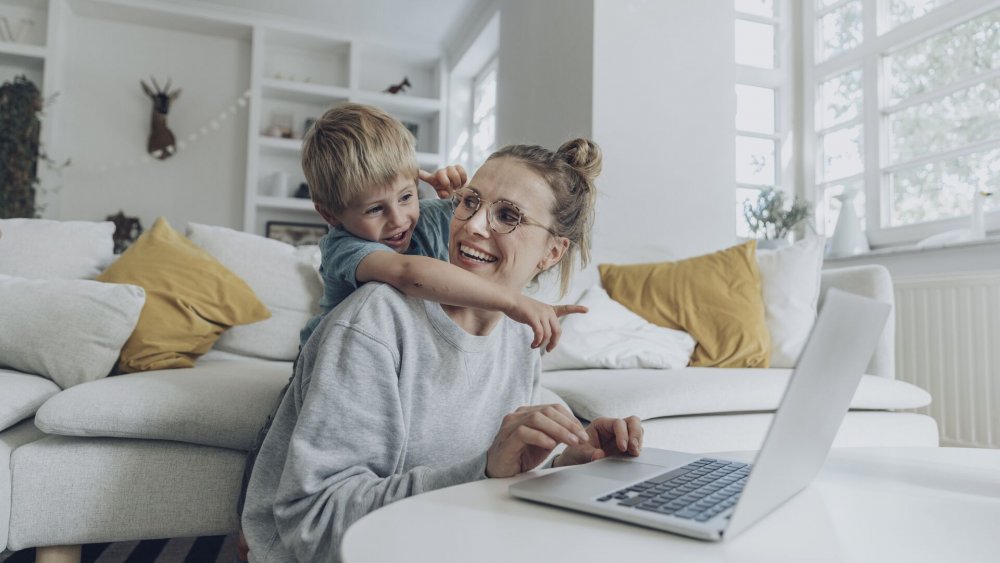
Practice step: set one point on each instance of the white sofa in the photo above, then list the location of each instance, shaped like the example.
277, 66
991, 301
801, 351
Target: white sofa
160, 454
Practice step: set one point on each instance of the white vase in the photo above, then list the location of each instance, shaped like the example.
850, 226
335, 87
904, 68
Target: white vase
848, 236
773, 243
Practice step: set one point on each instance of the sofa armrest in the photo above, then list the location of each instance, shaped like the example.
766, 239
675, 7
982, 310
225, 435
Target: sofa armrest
869, 281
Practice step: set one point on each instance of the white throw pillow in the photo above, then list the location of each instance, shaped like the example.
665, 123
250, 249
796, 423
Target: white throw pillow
790, 281
39, 248
283, 276
70, 331
611, 336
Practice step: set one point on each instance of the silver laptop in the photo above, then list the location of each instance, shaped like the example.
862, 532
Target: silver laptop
711, 498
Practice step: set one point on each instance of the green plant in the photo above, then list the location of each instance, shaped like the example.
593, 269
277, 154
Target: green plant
20, 149
772, 216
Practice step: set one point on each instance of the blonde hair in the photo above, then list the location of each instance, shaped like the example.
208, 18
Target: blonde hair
570, 172
351, 149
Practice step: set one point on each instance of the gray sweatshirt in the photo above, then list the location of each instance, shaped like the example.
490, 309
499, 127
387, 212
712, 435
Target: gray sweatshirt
390, 398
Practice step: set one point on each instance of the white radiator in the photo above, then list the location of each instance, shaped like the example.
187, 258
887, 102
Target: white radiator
948, 342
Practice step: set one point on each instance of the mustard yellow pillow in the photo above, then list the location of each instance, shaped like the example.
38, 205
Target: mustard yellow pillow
715, 298
190, 300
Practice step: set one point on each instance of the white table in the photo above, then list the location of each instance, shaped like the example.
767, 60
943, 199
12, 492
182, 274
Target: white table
867, 504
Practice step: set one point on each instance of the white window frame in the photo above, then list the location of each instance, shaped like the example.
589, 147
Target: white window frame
781, 79
874, 114
491, 65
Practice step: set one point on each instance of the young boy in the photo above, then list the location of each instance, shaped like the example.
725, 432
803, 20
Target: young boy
360, 164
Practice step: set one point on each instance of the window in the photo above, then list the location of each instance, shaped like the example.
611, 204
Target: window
763, 101
907, 112
484, 114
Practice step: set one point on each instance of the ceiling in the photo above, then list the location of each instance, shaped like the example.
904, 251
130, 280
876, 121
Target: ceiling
423, 21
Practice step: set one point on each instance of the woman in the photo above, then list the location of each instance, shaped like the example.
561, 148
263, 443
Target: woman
395, 396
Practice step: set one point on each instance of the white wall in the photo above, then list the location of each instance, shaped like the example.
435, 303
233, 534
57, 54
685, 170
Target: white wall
105, 119
545, 71
664, 113
652, 83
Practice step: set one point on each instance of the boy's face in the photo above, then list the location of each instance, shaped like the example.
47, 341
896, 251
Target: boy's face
385, 214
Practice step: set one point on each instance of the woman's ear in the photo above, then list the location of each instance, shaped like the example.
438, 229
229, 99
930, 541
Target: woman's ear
554, 254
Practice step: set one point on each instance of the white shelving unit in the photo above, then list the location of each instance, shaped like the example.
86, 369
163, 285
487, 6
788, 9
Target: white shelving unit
296, 75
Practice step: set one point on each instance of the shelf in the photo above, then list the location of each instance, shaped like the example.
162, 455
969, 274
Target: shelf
428, 159
280, 144
303, 92
400, 103
285, 203
33, 52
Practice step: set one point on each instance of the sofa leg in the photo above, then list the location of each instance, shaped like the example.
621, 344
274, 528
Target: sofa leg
58, 554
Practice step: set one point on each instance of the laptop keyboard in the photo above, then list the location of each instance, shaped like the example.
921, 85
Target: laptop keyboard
698, 491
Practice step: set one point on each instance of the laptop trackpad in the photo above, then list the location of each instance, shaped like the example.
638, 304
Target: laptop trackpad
621, 470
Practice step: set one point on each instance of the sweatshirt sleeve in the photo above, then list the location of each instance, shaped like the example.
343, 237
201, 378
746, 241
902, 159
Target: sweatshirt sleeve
348, 445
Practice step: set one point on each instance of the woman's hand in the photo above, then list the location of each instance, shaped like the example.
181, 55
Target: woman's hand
542, 318
528, 435
606, 436
445, 180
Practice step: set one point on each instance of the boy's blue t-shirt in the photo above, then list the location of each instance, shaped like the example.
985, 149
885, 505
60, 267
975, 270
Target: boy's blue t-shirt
342, 252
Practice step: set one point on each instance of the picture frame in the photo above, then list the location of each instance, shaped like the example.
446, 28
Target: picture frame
296, 234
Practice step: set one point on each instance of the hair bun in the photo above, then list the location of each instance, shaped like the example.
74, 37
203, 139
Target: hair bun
583, 155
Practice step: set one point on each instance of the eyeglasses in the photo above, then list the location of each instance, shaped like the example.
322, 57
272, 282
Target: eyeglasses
502, 215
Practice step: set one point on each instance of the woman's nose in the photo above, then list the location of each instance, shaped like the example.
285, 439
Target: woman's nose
479, 223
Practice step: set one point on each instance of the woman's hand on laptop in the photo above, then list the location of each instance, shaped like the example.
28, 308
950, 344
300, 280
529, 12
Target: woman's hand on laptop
607, 436
528, 435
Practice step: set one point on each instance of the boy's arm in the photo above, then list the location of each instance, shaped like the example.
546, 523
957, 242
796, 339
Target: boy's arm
434, 280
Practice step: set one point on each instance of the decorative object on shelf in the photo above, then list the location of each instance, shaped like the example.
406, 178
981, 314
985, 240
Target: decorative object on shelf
127, 230
413, 128
771, 219
296, 234
303, 191
848, 236
161, 144
214, 124
14, 35
277, 185
397, 88
281, 125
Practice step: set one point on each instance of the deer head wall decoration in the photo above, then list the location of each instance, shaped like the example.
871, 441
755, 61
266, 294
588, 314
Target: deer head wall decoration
161, 139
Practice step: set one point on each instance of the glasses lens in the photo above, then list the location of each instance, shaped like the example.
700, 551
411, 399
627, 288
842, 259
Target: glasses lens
506, 217
466, 203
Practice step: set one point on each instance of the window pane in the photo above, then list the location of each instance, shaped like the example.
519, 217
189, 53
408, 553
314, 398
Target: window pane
942, 189
485, 95
840, 99
754, 109
824, 3
958, 119
756, 7
743, 194
842, 154
484, 139
902, 11
840, 30
754, 44
755, 161
965, 50
830, 209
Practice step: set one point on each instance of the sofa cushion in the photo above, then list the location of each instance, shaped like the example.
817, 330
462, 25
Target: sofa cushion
716, 298
284, 277
216, 403
40, 248
190, 300
22, 395
651, 394
611, 336
790, 281
69, 331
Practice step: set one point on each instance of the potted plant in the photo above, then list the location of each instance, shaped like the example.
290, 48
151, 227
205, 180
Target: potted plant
771, 218
20, 107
